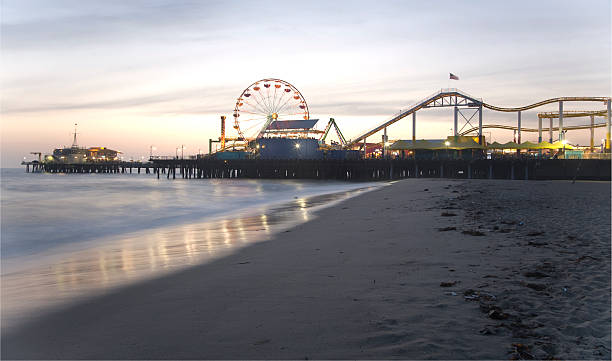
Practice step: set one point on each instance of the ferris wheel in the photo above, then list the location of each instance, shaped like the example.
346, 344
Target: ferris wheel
265, 101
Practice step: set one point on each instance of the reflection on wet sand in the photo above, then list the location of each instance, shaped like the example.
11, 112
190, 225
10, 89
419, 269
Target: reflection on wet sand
144, 254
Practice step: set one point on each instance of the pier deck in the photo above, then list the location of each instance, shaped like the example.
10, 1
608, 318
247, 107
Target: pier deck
349, 170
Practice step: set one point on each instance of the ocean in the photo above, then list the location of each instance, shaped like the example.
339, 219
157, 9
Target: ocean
67, 237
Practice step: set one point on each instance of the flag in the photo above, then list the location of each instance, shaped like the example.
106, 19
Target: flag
453, 76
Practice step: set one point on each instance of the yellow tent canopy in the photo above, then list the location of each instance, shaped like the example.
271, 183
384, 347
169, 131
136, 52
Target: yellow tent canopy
454, 143
528, 145
495, 145
559, 145
544, 145
509, 145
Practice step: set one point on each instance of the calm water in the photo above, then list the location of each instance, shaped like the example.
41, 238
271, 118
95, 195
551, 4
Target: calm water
70, 236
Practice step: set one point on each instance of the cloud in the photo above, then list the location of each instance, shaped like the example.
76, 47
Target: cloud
191, 95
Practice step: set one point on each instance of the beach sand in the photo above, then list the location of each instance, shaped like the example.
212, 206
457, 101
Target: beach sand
423, 268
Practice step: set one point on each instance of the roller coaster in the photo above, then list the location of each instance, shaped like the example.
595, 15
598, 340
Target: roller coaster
550, 115
456, 98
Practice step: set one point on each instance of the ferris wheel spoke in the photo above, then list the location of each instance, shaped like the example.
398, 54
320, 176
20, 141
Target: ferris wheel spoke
280, 99
260, 114
267, 101
274, 100
284, 104
254, 130
260, 99
260, 108
257, 125
263, 106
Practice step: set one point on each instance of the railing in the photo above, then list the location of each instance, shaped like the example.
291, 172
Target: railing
586, 156
169, 157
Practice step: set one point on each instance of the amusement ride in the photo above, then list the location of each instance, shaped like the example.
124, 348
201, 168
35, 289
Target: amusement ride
273, 107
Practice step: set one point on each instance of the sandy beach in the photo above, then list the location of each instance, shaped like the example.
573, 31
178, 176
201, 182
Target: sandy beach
421, 269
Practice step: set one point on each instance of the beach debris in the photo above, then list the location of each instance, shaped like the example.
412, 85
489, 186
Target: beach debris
451, 293
521, 352
471, 295
426, 190
261, 342
497, 314
448, 214
448, 284
521, 223
475, 295
582, 258
245, 262
446, 229
536, 286
473, 232
535, 274
489, 331
537, 244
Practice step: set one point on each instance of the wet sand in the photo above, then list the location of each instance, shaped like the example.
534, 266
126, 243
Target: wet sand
31, 286
421, 269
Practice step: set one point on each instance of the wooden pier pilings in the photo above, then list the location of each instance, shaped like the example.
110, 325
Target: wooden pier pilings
350, 170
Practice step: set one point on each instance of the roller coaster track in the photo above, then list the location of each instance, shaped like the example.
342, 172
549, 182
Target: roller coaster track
456, 97
547, 101
533, 130
574, 114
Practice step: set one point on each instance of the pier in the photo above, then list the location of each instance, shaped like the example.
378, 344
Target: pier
347, 170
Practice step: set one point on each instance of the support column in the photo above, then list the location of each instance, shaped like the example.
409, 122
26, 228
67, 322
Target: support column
608, 125
540, 134
539, 129
519, 127
550, 135
480, 125
414, 127
455, 121
384, 154
365, 147
561, 120
592, 132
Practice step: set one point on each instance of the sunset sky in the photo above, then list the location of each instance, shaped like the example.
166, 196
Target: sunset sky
139, 73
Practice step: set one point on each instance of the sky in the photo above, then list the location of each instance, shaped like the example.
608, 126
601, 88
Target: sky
135, 74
